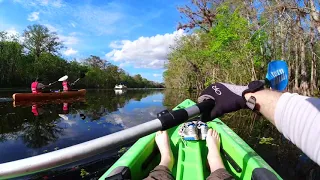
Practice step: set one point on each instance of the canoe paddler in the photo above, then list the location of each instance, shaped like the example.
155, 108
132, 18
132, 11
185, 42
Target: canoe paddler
37, 86
297, 117
66, 86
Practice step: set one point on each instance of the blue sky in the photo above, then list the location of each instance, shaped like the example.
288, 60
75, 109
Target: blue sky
133, 34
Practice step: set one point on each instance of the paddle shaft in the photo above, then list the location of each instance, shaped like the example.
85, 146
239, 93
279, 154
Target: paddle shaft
81, 76
90, 148
75, 81
53, 82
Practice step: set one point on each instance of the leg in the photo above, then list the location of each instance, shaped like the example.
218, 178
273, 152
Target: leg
218, 171
163, 170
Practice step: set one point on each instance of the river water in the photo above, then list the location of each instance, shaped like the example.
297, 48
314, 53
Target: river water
31, 129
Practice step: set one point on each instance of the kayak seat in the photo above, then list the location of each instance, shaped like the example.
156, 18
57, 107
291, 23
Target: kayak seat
263, 174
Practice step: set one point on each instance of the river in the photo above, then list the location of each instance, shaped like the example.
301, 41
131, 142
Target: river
31, 129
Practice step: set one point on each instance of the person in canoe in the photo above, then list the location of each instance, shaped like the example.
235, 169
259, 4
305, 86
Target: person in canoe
297, 117
37, 86
66, 86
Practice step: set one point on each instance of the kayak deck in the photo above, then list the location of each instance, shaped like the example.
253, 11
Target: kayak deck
48, 96
190, 157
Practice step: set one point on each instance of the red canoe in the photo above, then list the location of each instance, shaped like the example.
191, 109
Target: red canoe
48, 96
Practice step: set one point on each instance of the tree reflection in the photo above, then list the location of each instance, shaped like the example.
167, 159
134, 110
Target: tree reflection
41, 132
97, 106
35, 131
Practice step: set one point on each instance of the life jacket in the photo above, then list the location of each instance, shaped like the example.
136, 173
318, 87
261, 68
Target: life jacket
65, 86
34, 88
35, 110
65, 107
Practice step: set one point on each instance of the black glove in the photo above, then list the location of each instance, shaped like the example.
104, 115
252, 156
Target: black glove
228, 97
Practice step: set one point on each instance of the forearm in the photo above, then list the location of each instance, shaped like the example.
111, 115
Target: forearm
296, 117
266, 102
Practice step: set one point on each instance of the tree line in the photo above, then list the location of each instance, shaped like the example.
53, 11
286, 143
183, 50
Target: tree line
234, 40
35, 54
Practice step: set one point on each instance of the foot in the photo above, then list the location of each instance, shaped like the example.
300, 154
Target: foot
213, 143
163, 143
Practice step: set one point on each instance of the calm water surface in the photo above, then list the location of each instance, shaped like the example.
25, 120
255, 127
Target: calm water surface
31, 129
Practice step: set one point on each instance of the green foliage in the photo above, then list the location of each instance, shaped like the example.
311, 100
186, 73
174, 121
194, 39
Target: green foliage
233, 41
10, 58
122, 150
38, 39
83, 173
228, 52
268, 141
19, 68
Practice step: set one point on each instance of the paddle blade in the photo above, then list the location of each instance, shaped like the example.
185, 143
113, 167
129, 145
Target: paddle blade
278, 75
63, 116
63, 78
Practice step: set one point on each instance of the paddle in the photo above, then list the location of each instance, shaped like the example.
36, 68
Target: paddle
277, 76
102, 144
63, 78
82, 75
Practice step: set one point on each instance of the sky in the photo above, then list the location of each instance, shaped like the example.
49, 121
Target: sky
135, 35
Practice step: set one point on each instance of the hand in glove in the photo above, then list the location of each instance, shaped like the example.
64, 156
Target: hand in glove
228, 97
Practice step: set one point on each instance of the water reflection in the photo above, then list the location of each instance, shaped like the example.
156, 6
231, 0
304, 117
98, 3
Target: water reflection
31, 129
120, 91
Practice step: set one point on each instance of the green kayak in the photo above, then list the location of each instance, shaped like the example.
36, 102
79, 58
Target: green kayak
191, 156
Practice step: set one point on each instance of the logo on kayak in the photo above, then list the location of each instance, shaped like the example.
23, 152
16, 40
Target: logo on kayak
216, 90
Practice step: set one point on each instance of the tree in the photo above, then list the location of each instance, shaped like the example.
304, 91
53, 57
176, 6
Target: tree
10, 56
202, 15
234, 40
19, 68
96, 62
38, 39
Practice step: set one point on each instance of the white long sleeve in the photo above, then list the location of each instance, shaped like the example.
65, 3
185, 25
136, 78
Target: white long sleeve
298, 119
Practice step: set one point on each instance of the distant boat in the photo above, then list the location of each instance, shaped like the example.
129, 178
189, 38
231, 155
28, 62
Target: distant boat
120, 86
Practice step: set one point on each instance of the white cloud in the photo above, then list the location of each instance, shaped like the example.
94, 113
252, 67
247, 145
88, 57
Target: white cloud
122, 65
51, 28
43, 3
157, 75
100, 20
145, 52
105, 19
117, 44
69, 40
57, 3
70, 52
12, 32
33, 16
73, 24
